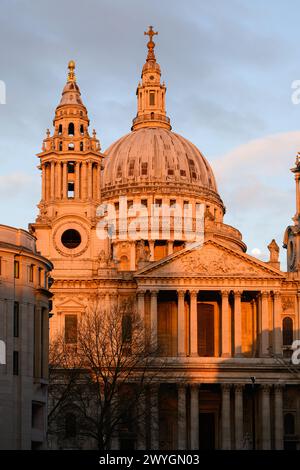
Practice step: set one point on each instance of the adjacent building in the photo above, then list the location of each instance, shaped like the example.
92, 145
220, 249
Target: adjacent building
24, 326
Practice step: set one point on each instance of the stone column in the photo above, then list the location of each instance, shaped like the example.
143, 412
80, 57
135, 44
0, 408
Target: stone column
141, 415
154, 417
58, 180
226, 326
194, 417
43, 183
90, 180
83, 180
77, 180
153, 318
181, 417
52, 180
193, 323
98, 183
265, 416
297, 329
237, 324
141, 307
264, 324
226, 435
181, 323
170, 247
132, 256
278, 408
238, 416
65, 180
277, 346
151, 247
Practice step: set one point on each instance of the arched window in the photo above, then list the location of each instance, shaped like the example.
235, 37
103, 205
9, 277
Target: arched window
71, 146
81, 146
152, 115
60, 146
81, 129
287, 331
71, 130
289, 424
60, 129
70, 425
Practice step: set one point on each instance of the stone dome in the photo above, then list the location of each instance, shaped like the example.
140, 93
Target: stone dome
156, 156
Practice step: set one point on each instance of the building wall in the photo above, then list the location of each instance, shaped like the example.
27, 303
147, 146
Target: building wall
24, 325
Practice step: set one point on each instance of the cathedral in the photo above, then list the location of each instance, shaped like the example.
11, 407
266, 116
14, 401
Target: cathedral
225, 320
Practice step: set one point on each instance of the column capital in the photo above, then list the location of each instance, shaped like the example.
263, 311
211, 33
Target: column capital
277, 294
278, 388
154, 292
141, 293
194, 385
238, 388
265, 293
225, 387
181, 292
182, 386
237, 293
225, 292
266, 388
194, 292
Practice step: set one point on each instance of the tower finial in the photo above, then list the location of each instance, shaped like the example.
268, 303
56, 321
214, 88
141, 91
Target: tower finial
151, 43
71, 74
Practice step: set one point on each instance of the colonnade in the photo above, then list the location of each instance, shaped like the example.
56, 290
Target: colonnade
268, 329
85, 178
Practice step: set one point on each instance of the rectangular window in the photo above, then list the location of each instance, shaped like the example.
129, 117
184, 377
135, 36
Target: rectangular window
129, 204
17, 269
16, 319
71, 167
172, 202
144, 169
71, 329
40, 277
15, 363
31, 269
144, 202
116, 206
158, 202
152, 98
131, 168
71, 190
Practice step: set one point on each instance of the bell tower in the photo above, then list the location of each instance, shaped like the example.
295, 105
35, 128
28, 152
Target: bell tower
292, 234
70, 164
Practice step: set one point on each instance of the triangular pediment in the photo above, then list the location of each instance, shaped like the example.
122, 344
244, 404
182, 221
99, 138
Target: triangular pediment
211, 259
68, 303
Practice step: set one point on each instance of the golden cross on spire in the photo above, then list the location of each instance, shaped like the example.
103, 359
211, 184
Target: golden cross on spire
150, 33
71, 74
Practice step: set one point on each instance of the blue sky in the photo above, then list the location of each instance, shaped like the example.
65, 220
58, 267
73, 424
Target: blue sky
228, 66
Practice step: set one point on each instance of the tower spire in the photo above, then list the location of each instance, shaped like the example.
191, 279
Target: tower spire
151, 92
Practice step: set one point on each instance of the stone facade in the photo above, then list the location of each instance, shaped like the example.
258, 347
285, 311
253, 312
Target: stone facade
24, 326
224, 320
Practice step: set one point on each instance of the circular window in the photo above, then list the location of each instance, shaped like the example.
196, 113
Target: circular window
71, 238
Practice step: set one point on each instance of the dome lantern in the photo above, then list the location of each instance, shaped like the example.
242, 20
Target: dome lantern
151, 92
